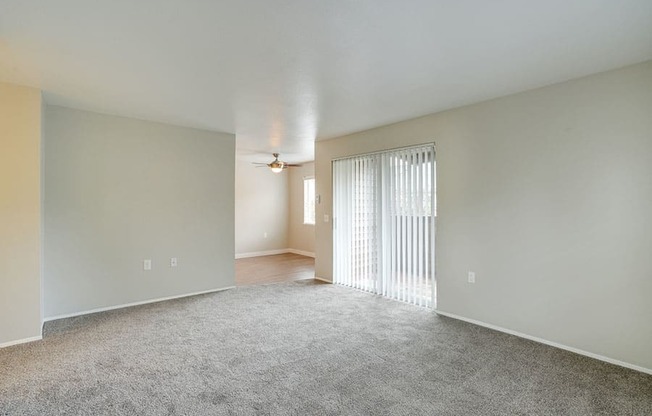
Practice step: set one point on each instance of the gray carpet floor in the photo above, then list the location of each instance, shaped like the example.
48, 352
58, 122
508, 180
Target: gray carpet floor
302, 348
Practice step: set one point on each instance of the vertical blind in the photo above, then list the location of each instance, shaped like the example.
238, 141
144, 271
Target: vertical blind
383, 213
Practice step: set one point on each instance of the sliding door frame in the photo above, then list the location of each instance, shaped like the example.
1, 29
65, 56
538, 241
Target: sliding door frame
424, 268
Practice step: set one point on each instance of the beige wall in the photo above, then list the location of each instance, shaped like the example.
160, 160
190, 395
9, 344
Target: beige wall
300, 236
20, 213
547, 196
118, 191
261, 206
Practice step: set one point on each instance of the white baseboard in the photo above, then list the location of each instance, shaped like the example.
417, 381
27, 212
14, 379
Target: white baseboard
21, 341
273, 253
322, 280
301, 252
550, 343
126, 305
261, 253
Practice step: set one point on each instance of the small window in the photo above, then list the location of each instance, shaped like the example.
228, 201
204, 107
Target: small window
309, 200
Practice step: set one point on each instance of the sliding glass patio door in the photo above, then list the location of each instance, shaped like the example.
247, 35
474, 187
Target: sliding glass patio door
383, 213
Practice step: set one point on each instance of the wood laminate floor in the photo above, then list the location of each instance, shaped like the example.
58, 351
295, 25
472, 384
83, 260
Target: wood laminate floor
273, 269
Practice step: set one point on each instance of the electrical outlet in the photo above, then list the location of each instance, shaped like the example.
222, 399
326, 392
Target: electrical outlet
147, 264
173, 262
471, 277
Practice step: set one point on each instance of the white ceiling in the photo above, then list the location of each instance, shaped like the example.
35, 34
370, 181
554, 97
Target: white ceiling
282, 73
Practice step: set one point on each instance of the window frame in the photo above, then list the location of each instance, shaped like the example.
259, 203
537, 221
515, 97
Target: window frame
307, 203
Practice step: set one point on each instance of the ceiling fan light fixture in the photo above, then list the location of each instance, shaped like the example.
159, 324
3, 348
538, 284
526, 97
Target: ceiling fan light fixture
276, 166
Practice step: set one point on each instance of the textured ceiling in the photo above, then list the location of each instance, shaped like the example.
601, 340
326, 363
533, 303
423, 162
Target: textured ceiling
281, 74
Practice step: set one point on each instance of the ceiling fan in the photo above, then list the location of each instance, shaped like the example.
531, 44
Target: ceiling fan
276, 165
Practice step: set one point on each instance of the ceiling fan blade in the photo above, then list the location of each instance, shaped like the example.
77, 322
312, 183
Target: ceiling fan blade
292, 165
258, 163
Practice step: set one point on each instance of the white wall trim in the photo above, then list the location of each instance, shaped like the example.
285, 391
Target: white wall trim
546, 342
261, 253
127, 305
321, 279
301, 252
274, 252
21, 341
